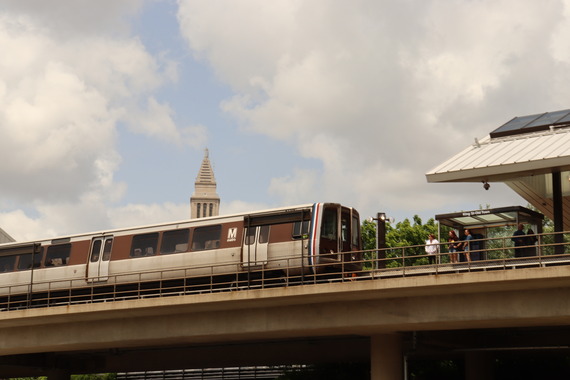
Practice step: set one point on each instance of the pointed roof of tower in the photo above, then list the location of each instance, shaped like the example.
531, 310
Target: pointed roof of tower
206, 173
4, 237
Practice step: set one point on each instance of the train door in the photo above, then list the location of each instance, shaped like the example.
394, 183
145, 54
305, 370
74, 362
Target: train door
356, 238
339, 236
99, 259
255, 246
345, 242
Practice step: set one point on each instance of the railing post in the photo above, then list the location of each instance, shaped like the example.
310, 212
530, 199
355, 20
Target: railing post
403, 261
381, 239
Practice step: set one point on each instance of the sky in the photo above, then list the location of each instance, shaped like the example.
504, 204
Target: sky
106, 108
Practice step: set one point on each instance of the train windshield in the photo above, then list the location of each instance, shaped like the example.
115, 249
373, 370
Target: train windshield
329, 228
339, 238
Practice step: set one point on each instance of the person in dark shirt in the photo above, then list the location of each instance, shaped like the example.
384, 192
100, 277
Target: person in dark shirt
531, 240
467, 245
519, 240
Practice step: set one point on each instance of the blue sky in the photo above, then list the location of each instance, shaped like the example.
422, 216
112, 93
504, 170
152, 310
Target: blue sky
238, 157
106, 108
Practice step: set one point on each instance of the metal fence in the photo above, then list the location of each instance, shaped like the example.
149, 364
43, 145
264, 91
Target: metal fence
242, 373
493, 254
479, 254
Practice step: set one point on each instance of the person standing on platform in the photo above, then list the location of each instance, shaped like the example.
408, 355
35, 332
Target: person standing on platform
454, 245
531, 241
519, 240
432, 248
475, 245
466, 245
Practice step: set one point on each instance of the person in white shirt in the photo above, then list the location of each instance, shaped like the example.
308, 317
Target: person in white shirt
432, 248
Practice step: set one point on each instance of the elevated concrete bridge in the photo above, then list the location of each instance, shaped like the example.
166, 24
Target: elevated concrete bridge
376, 320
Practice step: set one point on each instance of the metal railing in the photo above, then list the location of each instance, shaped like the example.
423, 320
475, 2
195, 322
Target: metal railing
242, 373
494, 254
481, 254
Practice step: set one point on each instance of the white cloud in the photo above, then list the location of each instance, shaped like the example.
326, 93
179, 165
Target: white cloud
238, 207
381, 92
225, 33
157, 122
377, 93
21, 227
91, 214
147, 214
299, 188
65, 18
71, 75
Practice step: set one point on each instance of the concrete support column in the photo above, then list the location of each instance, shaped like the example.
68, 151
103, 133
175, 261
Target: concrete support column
58, 374
386, 357
478, 366
558, 211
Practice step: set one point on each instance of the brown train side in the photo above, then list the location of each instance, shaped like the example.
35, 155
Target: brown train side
202, 244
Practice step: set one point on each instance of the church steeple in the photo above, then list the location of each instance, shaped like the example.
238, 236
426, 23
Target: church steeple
206, 173
205, 201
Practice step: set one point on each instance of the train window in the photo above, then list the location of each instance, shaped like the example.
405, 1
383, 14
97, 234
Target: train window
95, 251
329, 225
355, 232
57, 255
107, 249
174, 241
144, 245
25, 261
250, 236
344, 229
263, 234
206, 238
7, 263
301, 229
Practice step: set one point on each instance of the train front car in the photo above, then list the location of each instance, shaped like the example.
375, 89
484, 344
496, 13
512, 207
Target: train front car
335, 239
184, 256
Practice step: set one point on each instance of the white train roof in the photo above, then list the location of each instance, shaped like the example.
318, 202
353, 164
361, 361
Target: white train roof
175, 224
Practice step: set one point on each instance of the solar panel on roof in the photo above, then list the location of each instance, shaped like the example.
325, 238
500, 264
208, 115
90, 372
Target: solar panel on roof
517, 123
565, 119
548, 119
532, 123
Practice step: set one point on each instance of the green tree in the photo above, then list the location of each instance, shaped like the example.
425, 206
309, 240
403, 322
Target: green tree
105, 376
410, 234
368, 233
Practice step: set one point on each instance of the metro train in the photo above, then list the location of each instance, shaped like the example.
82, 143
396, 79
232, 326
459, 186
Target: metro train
306, 239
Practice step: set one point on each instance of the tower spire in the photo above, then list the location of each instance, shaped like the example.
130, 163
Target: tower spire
205, 201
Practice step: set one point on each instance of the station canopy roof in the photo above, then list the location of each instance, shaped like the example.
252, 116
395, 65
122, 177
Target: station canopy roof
490, 217
523, 153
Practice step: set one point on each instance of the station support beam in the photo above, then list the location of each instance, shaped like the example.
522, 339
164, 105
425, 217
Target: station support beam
478, 366
557, 208
386, 357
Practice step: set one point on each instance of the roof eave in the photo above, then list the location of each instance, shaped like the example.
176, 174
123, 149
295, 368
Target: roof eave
501, 172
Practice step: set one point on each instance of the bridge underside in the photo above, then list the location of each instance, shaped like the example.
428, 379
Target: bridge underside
441, 344
231, 354
435, 315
